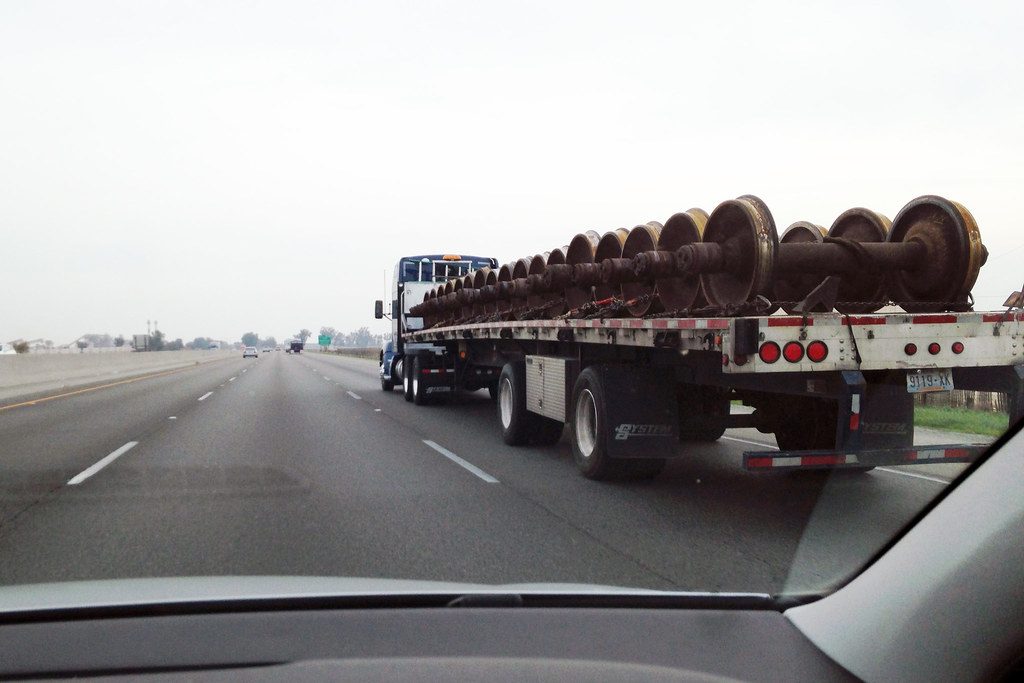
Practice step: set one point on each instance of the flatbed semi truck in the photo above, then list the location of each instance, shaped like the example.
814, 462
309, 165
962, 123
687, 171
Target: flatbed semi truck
835, 385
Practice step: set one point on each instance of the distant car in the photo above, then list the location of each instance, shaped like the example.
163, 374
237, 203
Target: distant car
267, 348
249, 351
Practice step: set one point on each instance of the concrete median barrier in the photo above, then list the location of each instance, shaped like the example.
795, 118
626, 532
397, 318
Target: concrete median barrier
31, 373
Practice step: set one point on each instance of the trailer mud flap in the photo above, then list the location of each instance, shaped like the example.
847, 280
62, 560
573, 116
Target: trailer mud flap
643, 419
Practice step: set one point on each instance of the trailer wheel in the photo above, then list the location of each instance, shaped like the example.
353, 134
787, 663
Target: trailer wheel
512, 414
518, 425
589, 436
588, 427
419, 390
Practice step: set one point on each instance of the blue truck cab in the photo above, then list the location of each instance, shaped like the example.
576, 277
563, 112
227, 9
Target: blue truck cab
414, 277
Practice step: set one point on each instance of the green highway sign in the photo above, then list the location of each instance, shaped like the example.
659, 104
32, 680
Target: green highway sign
325, 340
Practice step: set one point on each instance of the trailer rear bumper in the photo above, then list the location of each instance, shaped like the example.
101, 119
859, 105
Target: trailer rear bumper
916, 455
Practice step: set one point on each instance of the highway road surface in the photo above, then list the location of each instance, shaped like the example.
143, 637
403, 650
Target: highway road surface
300, 464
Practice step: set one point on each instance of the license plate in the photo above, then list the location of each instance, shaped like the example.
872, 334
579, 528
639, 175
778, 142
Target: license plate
929, 380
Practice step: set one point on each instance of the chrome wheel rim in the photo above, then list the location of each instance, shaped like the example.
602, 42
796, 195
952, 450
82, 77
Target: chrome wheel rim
585, 423
505, 403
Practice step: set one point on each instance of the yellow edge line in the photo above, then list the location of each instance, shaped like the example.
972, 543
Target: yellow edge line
103, 386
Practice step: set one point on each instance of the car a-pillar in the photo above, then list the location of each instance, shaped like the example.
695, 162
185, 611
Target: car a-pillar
625, 421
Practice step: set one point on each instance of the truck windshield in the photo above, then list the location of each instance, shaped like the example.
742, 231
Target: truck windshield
436, 269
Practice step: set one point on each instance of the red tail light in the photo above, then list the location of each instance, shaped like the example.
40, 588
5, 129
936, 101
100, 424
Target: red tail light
817, 351
769, 352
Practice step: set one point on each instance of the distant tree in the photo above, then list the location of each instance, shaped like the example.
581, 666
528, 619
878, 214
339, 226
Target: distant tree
119, 341
363, 339
176, 345
21, 347
199, 343
303, 335
156, 341
250, 339
82, 345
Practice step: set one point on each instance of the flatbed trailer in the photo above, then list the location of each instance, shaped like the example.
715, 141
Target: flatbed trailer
552, 338
837, 390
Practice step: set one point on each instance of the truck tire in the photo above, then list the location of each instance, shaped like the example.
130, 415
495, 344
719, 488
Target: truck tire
407, 382
386, 384
419, 390
512, 415
589, 448
518, 425
590, 434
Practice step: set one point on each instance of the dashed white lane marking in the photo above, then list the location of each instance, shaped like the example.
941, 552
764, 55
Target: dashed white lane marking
88, 472
173, 417
354, 395
462, 463
376, 410
205, 396
232, 379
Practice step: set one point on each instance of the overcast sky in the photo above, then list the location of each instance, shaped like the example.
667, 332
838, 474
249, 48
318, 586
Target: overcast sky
225, 167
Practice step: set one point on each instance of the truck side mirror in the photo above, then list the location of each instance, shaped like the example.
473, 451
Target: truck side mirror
378, 309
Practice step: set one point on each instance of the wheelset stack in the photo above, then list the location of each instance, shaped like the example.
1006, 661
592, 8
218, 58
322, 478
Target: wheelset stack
733, 262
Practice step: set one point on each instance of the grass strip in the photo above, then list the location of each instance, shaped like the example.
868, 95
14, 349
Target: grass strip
958, 420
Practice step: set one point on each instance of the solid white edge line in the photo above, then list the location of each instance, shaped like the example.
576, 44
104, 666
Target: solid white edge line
354, 395
89, 471
752, 443
462, 463
937, 480
205, 396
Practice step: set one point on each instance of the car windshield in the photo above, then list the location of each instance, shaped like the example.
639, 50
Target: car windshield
744, 295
